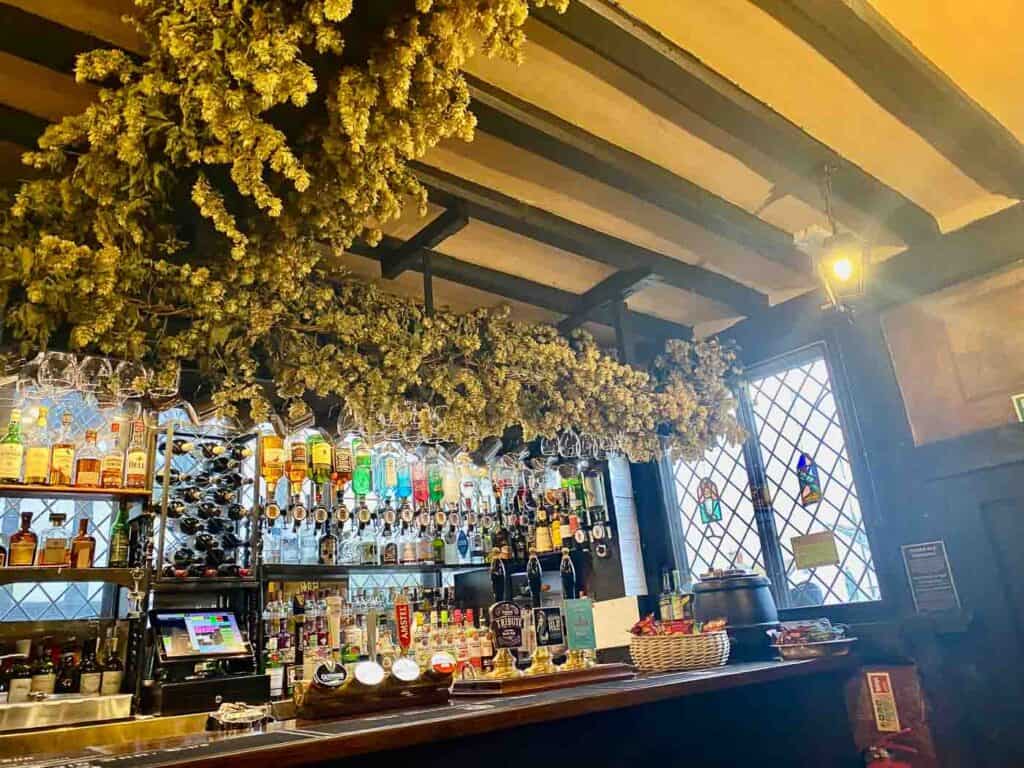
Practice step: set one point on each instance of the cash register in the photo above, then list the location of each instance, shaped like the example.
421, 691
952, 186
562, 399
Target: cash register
199, 659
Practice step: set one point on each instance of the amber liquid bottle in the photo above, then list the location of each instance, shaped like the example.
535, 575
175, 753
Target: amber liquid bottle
83, 546
23, 543
88, 465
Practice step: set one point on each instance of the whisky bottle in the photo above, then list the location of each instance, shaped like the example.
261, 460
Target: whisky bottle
570, 588
20, 683
87, 465
113, 667
68, 675
12, 450
83, 546
37, 452
44, 676
136, 474
112, 465
544, 541
90, 673
328, 546
271, 461
534, 578
56, 544
295, 467
23, 543
62, 454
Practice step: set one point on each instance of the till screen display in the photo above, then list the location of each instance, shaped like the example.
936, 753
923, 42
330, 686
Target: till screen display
200, 634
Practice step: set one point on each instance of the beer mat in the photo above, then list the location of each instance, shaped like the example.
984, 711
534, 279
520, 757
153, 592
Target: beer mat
157, 757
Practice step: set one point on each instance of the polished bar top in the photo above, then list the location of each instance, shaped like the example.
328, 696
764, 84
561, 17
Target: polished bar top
302, 742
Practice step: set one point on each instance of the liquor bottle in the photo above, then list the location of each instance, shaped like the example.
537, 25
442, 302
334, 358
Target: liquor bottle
517, 542
211, 450
62, 454
388, 545
20, 682
435, 480
665, 605
289, 544
570, 588
271, 461
369, 547
462, 547
544, 541
362, 472
502, 544
534, 578
12, 450
37, 452
328, 546
119, 539
112, 464
68, 675
3, 552
425, 545
87, 465
403, 473
451, 547
222, 464
232, 481
321, 460
90, 673
296, 464
476, 545
113, 667
44, 675
437, 544
486, 643
499, 578
385, 473
179, 446
450, 482
23, 543
136, 472
55, 547
343, 461
309, 542
350, 550
557, 531
83, 546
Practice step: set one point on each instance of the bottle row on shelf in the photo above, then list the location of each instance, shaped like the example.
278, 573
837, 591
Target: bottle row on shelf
54, 546
31, 454
88, 668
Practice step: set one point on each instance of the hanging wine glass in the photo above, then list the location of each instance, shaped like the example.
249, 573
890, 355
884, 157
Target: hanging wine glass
166, 382
58, 373
130, 380
548, 446
94, 373
569, 444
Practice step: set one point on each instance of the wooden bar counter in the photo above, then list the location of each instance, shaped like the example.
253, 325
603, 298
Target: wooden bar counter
759, 713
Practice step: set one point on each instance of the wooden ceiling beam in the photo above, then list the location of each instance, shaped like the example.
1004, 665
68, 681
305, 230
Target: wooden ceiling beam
734, 121
522, 290
526, 126
409, 253
858, 40
20, 127
614, 289
41, 92
42, 41
100, 19
521, 218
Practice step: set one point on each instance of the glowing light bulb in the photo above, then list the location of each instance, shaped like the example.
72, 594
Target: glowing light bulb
842, 269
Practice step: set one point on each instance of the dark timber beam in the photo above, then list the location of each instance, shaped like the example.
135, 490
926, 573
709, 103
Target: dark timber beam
20, 127
624, 337
516, 216
526, 126
440, 229
614, 289
734, 121
522, 290
887, 67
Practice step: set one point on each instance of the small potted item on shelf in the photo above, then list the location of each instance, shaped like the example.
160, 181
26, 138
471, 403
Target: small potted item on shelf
678, 645
811, 639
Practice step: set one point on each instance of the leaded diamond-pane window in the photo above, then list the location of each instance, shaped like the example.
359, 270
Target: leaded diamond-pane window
796, 412
733, 542
788, 408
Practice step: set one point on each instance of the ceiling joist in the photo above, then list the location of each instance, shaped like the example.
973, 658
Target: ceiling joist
614, 289
858, 40
520, 123
440, 229
736, 122
526, 220
522, 290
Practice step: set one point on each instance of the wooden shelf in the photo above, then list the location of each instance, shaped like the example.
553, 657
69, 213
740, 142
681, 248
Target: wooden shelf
298, 572
29, 574
19, 490
201, 584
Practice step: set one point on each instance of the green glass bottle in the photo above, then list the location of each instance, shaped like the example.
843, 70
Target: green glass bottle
12, 450
320, 456
119, 539
435, 478
362, 473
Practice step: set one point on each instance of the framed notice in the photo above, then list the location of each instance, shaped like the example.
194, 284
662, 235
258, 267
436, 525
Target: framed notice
815, 550
930, 577
579, 624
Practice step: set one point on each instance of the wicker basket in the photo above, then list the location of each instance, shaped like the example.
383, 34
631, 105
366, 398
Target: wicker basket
676, 653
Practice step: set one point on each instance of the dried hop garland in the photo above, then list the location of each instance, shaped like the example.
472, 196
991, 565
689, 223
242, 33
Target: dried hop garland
196, 210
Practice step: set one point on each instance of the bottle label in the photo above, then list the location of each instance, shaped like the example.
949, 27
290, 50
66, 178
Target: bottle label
390, 472
81, 557
10, 460
544, 540
61, 461
55, 552
111, 471
19, 690
327, 549
343, 460
23, 552
111, 682
90, 683
273, 457
119, 548
322, 454
390, 556
87, 477
37, 462
136, 464
44, 683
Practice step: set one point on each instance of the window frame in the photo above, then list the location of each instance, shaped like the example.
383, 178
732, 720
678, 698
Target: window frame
765, 516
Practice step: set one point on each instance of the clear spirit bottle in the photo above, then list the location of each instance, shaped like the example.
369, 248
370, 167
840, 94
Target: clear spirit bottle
289, 545
369, 546
328, 546
309, 543
55, 544
350, 546
271, 544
